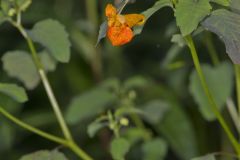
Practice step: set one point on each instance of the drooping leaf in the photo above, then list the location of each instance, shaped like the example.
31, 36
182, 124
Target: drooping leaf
52, 35
102, 32
220, 89
226, 25
89, 104
19, 64
155, 149
190, 13
206, 157
149, 12
45, 155
14, 91
119, 148
221, 2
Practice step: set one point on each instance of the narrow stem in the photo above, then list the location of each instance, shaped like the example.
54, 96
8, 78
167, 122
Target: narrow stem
74, 147
237, 74
49, 90
33, 129
92, 13
233, 112
209, 95
211, 49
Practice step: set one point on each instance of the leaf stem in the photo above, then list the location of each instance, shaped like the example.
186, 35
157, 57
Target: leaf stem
211, 49
33, 129
237, 74
66, 132
211, 100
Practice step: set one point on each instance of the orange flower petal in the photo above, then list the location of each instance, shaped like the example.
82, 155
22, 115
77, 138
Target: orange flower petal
134, 19
119, 35
110, 11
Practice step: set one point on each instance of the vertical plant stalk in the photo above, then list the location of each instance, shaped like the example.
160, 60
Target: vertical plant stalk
211, 100
237, 74
66, 132
92, 15
49, 90
211, 49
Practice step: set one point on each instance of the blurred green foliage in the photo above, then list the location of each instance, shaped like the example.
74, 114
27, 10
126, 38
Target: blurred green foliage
149, 86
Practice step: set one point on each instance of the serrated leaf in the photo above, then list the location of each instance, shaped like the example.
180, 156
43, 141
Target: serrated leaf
155, 149
220, 90
45, 155
149, 12
89, 104
221, 2
14, 91
19, 64
119, 148
226, 25
190, 13
52, 35
206, 157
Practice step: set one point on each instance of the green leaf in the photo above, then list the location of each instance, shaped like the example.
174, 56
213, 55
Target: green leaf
206, 157
45, 155
226, 25
19, 64
149, 12
48, 61
8, 132
235, 6
119, 148
89, 104
135, 82
133, 135
189, 13
180, 136
221, 2
52, 35
220, 89
102, 32
14, 91
155, 149
94, 127
3, 18
154, 111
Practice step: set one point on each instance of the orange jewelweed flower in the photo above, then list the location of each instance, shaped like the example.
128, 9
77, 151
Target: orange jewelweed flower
120, 26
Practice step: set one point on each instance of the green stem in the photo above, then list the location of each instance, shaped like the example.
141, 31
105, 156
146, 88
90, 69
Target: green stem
209, 95
49, 90
67, 134
211, 49
92, 13
237, 73
46, 135
32, 129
